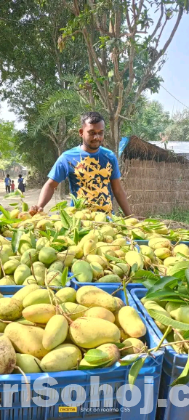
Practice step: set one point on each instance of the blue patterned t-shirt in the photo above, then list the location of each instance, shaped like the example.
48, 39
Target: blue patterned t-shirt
89, 175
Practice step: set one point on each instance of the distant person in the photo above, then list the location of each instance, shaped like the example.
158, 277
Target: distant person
7, 183
12, 185
21, 183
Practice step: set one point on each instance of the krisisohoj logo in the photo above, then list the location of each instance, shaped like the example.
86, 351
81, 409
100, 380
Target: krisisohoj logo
72, 398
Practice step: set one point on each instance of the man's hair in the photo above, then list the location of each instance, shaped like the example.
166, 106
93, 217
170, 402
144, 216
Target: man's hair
7, 175
91, 117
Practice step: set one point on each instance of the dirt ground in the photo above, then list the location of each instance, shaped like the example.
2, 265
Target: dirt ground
30, 197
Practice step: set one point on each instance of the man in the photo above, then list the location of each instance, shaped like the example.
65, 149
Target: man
92, 170
7, 183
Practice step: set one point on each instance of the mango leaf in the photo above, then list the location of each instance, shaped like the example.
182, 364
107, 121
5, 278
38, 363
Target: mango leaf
86, 367
96, 357
32, 239
134, 371
134, 268
76, 236
178, 270
129, 360
59, 206
64, 277
14, 194
65, 219
186, 335
45, 234
183, 379
187, 277
111, 258
168, 321
144, 274
148, 283
16, 240
167, 292
164, 282
25, 206
13, 204
135, 236
6, 213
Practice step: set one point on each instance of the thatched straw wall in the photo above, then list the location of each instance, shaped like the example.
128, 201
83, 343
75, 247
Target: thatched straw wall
156, 187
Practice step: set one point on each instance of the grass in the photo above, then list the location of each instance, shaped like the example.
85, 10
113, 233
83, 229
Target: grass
177, 215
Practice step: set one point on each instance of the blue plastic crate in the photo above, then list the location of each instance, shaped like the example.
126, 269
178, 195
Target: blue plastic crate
145, 242
11, 290
172, 367
64, 387
74, 283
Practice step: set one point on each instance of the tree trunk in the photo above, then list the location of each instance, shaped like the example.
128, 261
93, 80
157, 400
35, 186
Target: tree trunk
114, 135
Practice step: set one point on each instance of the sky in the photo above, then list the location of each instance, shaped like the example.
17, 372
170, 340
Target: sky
175, 74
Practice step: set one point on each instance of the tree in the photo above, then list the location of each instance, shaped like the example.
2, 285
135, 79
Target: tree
178, 130
125, 51
8, 137
149, 121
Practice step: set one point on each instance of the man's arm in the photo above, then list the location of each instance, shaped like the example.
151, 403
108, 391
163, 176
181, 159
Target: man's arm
45, 195
120, 196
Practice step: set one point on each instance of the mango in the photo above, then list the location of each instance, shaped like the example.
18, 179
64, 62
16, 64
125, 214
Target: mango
41, 243
120, 269
153, 305
3, 241
7, 281
7, 249
97, 259
156, 243
38, 296
107, 230
26, 339
147, 251
28, 363
10, 266
21, 273
54, 278
108, 239
120, 254
2, 326
131, 221
22, 293
72, 310
91, 296
100, 217
97, 270
109, 355
170, 261
110, 278
30, 280
66, 257
124, 336
89, 332
23, 247
131, 322
134, 346
56, 266
82, 271
162, 253
10, 309
55, 332
40, 313
7, 355
77, 250
136, 232
119, 241
67, 294
44, 224
171, 306
119, 302
29, 257
63, 357
182, 248
99, 312
181, 314
89, 247
47, 255
133, 257
4, 257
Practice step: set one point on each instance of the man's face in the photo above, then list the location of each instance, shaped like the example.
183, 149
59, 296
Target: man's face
92, 135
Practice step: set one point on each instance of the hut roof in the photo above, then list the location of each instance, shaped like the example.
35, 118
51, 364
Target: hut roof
141, 149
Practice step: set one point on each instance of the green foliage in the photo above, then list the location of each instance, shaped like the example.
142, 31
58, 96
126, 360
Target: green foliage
178, 130
149, 121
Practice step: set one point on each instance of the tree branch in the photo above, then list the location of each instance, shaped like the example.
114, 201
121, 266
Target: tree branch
158, 22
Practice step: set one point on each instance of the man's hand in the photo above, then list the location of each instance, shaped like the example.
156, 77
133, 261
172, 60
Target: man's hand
35, 209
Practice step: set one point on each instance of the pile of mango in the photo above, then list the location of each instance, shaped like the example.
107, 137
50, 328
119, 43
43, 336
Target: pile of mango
43, 331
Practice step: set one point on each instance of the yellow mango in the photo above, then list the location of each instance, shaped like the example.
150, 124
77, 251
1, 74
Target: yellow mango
131, 322
67, 294
22, 293
10, 266
21, 273
55, 332
182, 248
91, 296
72, 310
99, 312
7, 355
26, 339
28, 363
156, 243
134, 346
133, 257
10, 309
63, 357
38, 296
89, 332
40, 313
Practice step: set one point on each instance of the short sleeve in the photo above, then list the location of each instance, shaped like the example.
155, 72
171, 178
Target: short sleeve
115, 172
59, 171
